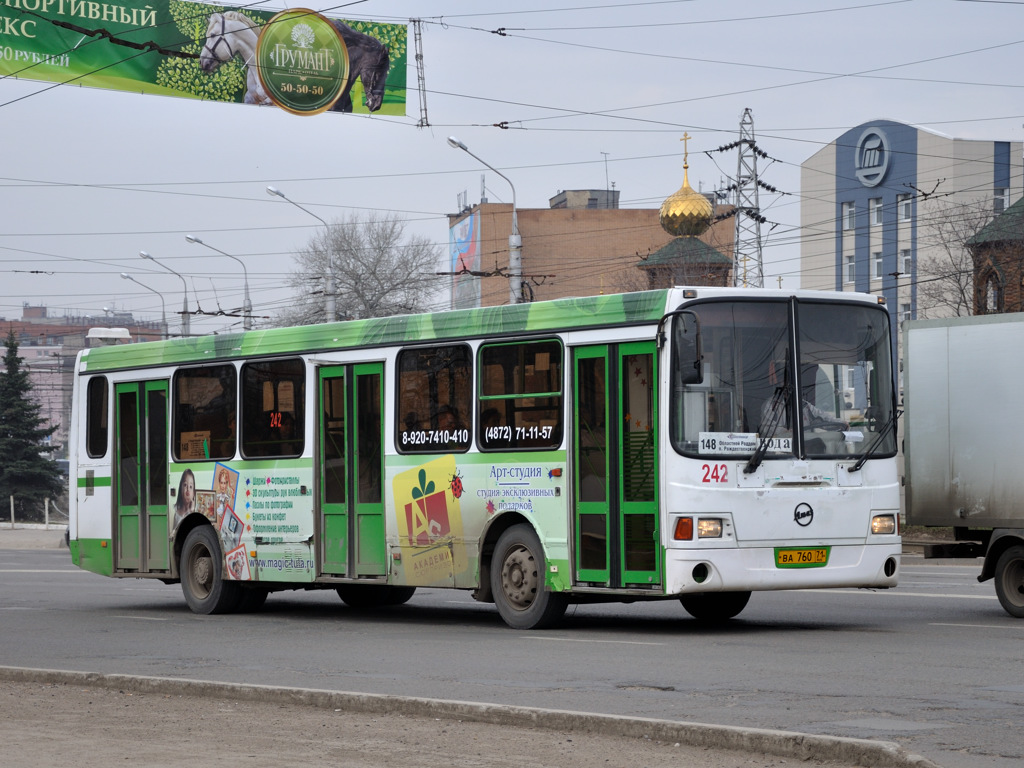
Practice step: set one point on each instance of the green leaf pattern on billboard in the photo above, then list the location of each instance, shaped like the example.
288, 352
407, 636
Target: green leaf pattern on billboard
226, 83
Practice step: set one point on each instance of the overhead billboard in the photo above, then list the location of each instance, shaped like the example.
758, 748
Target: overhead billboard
200, 51
464, 254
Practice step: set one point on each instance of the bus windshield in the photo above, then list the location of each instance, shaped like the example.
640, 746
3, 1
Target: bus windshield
793, 378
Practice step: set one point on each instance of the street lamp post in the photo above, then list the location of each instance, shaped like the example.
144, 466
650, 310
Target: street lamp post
185, 315
247, 304
515, 242
163, 304
330, 304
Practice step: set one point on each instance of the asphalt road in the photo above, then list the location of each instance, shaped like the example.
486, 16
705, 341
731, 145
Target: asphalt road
933, 665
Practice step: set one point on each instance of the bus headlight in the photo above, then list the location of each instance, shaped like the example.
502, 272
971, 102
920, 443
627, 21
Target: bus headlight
883, 524
709, 528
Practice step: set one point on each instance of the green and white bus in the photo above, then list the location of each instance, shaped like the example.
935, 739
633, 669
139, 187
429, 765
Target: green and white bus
694, 444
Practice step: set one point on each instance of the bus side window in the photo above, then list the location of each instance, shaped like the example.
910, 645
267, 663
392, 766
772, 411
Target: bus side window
96, 417
273, 408
520, 395
434, 399
204, 411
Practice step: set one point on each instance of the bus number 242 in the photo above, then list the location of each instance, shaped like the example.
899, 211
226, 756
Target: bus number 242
714, 473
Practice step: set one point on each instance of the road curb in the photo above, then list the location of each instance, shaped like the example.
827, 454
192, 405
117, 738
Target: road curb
789, 744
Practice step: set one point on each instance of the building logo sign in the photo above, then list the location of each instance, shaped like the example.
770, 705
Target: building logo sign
302, 62
872, 157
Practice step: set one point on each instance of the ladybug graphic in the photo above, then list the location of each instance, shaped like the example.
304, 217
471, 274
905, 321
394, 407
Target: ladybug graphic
456, 485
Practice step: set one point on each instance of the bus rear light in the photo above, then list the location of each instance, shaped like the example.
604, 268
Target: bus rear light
883, 524
709, 528
684, 529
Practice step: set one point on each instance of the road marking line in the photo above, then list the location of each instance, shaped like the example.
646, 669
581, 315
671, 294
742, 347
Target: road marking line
978, 626
584, 640
895, 593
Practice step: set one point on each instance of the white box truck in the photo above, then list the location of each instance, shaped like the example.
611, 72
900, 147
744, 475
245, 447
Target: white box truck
963, 445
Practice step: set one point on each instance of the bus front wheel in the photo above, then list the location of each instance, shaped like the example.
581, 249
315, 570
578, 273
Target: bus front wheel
1010, 581
202, 574
715, 606
517, 581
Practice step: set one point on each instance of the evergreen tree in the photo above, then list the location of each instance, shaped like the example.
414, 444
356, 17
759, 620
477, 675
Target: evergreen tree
24, 473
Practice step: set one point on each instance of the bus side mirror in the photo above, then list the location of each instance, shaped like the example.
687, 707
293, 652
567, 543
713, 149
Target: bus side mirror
686, 335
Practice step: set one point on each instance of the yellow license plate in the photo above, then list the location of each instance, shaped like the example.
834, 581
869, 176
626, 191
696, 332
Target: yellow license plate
812, 557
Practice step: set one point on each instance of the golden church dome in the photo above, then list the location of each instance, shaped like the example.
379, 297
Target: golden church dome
687, 213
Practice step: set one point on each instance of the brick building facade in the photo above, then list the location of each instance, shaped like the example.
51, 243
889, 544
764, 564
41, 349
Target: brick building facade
566, 251
997, 251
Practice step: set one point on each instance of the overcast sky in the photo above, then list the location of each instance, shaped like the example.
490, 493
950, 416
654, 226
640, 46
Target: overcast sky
593, 93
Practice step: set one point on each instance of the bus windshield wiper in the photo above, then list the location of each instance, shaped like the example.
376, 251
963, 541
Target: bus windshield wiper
890, 424
778, 407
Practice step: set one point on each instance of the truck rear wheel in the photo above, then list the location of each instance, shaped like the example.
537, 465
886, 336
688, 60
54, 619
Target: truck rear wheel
1010, 581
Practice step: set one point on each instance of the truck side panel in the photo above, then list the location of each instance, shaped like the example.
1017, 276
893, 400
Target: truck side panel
965, 421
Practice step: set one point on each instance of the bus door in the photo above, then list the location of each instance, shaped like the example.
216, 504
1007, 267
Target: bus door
615, 442
141, 534
351, 461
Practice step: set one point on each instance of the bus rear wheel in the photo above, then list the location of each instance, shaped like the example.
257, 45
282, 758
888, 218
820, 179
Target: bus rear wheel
715, 606
368, 596
517, 581
202, 574
1010, 581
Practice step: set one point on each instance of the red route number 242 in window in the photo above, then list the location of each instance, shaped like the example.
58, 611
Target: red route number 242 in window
714, 473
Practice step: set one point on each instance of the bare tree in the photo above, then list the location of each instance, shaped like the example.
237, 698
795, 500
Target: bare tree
945, 278
377, 269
